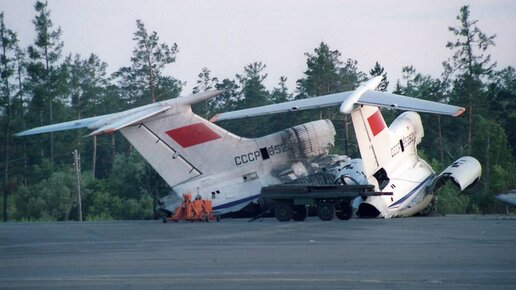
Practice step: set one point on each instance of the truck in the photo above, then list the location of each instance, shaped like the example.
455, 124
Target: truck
293, 201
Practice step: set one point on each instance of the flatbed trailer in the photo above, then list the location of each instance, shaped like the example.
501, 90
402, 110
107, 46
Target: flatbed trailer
291, 201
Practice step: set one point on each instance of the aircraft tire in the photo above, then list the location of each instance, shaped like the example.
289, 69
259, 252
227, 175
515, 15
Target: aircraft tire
325, 210
300, 213
283, 211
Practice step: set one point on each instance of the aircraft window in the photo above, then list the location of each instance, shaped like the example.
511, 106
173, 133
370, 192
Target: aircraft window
218, 192
401, 145
265, 153
250, 176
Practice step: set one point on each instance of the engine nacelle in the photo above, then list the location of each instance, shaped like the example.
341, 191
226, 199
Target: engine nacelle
464, 173
310, 140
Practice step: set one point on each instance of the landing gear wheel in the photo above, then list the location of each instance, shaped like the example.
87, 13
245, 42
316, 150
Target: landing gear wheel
325, 211
344, 211
300, 213
283, 211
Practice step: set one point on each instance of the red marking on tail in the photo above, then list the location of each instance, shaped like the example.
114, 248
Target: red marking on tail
376, 123
192, 135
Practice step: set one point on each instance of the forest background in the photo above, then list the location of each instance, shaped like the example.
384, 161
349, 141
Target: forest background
40, 86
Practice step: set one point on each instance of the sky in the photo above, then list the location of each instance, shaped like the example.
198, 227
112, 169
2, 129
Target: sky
226, 35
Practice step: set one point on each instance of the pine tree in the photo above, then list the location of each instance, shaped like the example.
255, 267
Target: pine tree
280, 94
9, 46
471, 65
502, 93
150, 57
254, 93
322, 74
87, 88
327, 74
43, 70
378, 70
204, 83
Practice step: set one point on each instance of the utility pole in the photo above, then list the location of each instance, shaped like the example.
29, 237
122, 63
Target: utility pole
77, 162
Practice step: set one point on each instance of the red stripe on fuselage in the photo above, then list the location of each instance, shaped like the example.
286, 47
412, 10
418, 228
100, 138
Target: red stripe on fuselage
376, 123
192, 135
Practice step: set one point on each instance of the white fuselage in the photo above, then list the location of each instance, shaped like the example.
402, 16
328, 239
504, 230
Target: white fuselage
391, 164
232, 169
409, 186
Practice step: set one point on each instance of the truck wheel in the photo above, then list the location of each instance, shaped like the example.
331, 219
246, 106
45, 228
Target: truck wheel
325, 211
300, 213
283, 211
344, 211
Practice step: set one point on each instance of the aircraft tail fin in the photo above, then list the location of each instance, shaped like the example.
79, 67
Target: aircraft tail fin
175, 141
372, 136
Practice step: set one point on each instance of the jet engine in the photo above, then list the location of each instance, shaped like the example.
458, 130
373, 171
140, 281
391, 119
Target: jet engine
310, 139
464, 173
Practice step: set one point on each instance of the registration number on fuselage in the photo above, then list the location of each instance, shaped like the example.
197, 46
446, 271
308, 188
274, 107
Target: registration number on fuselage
264, 153
402, 144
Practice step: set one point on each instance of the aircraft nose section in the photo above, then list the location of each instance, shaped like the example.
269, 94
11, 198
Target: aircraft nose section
366, 210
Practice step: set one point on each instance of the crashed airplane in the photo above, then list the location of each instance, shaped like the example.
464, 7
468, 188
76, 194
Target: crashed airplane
194, 155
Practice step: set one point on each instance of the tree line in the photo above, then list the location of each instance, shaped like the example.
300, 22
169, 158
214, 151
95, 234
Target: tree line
41, 86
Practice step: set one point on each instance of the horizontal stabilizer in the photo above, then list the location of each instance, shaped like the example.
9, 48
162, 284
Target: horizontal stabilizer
292, 106
369, 97
388, 100
129, 120
116, 121
82, 123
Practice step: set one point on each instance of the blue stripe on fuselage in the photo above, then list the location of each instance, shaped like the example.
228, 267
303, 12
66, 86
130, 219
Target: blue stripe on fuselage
233, 203
413, 191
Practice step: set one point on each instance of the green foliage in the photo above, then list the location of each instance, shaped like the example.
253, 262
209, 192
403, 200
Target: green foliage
126, 174
46, 200
205, 83
322, 75
490, 146
378, 70
45, 75
101, 204
451, 201
470, 45
502, 93
143, 82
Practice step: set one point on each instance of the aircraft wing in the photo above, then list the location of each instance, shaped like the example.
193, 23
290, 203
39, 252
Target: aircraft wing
369, 97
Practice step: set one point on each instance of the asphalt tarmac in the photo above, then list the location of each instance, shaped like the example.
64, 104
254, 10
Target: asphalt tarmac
452, 252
